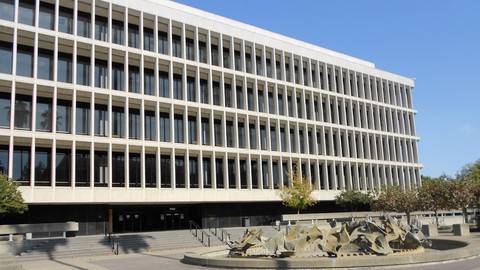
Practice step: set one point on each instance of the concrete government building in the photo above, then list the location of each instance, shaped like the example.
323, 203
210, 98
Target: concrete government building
147, 114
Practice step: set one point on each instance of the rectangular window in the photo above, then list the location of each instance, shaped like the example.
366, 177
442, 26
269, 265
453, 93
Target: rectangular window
176, 46
265, 175
218, 132
192, 129
207, 172
261, 102
162, 42
273, 139
275, 175
165, 169
254, 173
226, 57
285, 174
26, 12
118, 77
101, 28
214, 55
259, 65
134, 165
150, 171
253, 137
47, 16
7, 10
21, 165
164, 127
241, 135
191, 89
193, 168
202, 51
203, 91
179, 172
64, 116
65, 20
45, 64
83, 70
63, 167
280, 104
219, 173
292, 142
177, 86
83, 118
283, 139
228, 96
178, 124
302, 141
6, 56
269, 68
216, 93
83, 24
205, 131
248, 62
263, 137
101, 169
149, 82
24, 61
250, 99
239, 97
232, 174
271, 105
5, 107
190, 50
163, 84
101, 120
299, 108
290, 106
148, 40
133, 79
243, 174
118, 34
238, 60
23, 112
43, 166
118, 169
230, 133
64, 68
118, 122
134, 124
44, 114
101, 73
82, 168
150, 126
133, 36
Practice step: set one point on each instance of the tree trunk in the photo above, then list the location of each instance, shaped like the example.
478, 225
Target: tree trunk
408, 218
464, 212
436, 216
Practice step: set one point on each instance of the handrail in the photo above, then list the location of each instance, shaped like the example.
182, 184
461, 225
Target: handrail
112, 239
204, 235
224, 234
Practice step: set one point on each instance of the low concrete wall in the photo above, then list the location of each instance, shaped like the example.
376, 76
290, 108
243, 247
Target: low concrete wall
429, 230
28, 229
461, 229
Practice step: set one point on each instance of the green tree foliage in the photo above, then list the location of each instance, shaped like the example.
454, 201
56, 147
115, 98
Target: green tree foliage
299, 195
397, 199
11, 200
462, 195
434, 194
353, 199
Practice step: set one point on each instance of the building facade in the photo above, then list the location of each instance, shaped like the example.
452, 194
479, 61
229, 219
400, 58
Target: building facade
146, 114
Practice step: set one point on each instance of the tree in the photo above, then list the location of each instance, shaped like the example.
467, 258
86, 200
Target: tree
299, 196
397, 199
434, 194
11, 200
462, 195
352, 199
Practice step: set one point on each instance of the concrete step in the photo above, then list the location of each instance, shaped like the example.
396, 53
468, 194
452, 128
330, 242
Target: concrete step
9, 262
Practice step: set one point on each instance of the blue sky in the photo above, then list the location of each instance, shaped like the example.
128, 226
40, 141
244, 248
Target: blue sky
436, 42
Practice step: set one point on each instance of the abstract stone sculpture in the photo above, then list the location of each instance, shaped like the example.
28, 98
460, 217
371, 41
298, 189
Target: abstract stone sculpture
363, 237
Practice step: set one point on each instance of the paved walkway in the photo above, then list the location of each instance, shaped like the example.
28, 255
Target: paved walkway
170, 260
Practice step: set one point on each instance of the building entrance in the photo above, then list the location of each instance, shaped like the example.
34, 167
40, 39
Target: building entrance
128, 222
172, 219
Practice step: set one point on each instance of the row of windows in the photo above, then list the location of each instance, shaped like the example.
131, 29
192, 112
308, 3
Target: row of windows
200, 128
77, 168
192, 45
256, 97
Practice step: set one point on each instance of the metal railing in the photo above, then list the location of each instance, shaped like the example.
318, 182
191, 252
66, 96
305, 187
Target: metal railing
204, 237
112, 239
220, 233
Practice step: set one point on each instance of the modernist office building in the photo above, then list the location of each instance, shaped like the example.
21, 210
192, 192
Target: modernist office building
147, 114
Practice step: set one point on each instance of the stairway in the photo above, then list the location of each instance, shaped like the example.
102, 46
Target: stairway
8, 262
